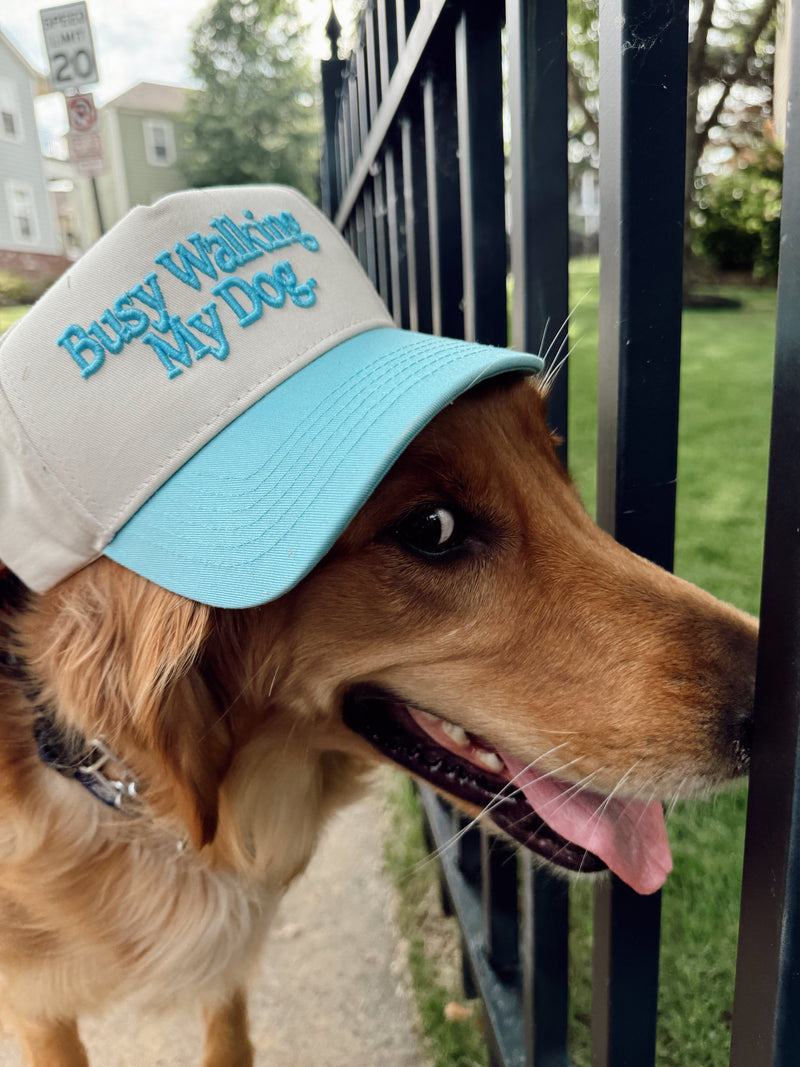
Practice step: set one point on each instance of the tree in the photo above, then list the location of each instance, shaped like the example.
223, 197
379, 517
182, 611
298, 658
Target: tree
731, 66
731, 54
254, 117
733, 171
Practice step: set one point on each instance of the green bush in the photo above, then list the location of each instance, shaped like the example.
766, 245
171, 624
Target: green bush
16, 289
736, 222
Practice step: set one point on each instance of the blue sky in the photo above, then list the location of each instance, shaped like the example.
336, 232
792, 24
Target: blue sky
143, 41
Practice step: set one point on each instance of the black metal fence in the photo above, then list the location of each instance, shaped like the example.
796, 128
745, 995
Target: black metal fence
417, 176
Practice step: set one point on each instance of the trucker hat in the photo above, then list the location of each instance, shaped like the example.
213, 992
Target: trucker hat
208, 396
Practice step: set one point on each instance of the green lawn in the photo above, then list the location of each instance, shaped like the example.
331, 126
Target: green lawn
726, 379
9, 315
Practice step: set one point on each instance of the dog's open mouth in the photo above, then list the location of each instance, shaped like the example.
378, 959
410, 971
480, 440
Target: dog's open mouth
573, 827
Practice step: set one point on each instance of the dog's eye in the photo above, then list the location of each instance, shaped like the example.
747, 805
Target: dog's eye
431, 531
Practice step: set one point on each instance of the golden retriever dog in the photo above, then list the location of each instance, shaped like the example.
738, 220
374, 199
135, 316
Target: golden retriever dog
470, 623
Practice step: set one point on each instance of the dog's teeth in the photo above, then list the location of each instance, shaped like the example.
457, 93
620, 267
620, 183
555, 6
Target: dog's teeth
490, 760
455, 733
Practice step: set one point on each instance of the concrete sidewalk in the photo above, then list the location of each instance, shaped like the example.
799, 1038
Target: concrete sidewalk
332, 990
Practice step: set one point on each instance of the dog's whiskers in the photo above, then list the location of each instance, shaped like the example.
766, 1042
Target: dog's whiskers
544, 335
676, 796
552, 369
601, 808
500, 798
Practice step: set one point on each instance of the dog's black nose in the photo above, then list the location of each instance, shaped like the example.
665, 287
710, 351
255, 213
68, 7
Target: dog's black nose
739, 736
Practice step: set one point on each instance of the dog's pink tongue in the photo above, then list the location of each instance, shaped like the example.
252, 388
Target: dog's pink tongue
629, 836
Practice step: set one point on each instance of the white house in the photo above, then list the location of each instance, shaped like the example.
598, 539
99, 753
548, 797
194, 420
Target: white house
29, 238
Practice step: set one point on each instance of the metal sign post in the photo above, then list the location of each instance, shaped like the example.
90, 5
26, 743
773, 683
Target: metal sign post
73, 65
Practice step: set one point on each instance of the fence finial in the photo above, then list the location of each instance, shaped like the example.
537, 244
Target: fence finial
333, 31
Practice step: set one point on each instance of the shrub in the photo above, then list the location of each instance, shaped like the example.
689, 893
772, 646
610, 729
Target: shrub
15, 289
736, 222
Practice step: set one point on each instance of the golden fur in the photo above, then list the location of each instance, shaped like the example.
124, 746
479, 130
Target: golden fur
546, 634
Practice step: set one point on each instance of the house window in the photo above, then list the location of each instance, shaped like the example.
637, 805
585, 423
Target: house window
10, 115
22, 212
159, 142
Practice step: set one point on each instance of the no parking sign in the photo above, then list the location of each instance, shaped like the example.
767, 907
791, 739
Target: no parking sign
82, 113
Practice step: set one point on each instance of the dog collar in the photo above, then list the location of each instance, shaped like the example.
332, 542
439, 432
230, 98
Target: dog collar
91, 763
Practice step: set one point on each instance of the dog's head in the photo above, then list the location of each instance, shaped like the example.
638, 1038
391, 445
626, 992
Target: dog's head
471, 624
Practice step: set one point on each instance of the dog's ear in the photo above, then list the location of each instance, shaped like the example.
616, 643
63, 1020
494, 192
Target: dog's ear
119, 660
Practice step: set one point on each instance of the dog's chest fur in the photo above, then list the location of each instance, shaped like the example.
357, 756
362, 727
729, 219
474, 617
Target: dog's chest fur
96, 907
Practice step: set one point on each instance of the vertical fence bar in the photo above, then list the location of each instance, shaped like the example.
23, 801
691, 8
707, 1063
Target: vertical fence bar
643, 56
381, 237
444, 216
416, 212
383, 46
537, 63
410, 12
354, 139
395, 215
545, 966
365, 212
373, 64
766, 1018
479, 89
500, 892
331, 85
378, 179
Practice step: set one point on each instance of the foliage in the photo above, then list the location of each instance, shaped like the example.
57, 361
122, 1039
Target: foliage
736, 220
729, 110
16, 289
731, 60
583, 43
731, 73
254, 118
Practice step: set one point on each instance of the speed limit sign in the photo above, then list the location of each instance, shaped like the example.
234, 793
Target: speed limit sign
70, 49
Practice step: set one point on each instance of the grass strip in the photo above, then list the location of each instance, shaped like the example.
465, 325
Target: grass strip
451, 1024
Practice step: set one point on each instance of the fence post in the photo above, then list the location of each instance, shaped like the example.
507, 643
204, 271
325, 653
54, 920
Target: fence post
766, 1017
537, 75
482, 180
332, 70
643, 69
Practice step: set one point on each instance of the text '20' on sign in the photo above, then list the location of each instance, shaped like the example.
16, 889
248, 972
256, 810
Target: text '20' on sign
70, 49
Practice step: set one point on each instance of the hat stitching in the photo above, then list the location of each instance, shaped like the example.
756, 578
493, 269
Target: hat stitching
416, 358
251, 395
361, 397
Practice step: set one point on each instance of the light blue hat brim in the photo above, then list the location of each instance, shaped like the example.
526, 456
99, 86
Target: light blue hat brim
251, 513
